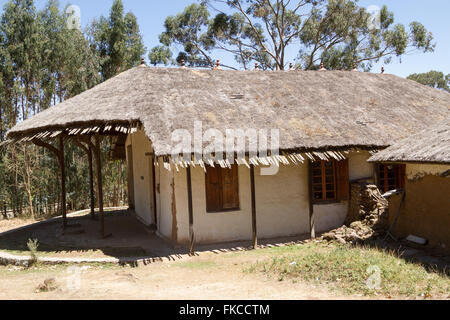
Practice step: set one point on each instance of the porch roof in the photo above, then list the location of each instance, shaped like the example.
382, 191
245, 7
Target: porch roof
429, 146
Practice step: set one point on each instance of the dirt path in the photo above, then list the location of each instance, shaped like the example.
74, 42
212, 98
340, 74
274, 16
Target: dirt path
207, 277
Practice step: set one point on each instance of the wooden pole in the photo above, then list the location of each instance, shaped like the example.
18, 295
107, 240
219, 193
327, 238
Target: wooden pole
191, 211
63, 181
254, 225
98, 161
155, 209
312, 221
91, 183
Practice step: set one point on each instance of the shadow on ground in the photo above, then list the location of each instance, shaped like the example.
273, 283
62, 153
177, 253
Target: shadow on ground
129, 239
82, 237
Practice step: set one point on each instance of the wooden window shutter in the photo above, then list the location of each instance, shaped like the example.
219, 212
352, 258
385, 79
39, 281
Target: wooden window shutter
213, 189
401, 174
230, 184
343, 180
222, 189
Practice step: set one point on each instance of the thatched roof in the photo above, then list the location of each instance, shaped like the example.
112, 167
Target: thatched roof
429, 146
313, 110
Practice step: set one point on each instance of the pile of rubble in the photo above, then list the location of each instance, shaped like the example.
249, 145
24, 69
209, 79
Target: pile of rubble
368, 216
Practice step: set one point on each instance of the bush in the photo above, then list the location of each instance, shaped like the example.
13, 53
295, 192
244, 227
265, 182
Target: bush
33, 245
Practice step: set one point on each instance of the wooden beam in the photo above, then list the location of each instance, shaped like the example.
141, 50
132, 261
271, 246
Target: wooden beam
91, 183
48, 146
191, 211
155, 209
312, 222
253, 191
98, 162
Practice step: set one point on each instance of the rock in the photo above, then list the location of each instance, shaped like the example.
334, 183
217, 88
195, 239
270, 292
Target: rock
48, 286
329, 236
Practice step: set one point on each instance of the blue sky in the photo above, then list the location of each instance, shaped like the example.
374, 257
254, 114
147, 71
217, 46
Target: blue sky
433, 14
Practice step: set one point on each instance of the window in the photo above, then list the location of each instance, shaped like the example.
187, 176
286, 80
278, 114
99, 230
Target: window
222, 189
324, 181
391, 177
330, 181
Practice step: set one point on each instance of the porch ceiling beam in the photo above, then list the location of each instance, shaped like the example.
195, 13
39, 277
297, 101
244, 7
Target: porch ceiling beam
46, 145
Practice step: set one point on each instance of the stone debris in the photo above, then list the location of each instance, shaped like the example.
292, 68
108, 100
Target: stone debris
368, 216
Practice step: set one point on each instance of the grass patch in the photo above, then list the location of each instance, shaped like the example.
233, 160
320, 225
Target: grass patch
354, 270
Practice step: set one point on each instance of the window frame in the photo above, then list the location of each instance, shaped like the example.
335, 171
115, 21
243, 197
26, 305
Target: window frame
221, 182
398, 176
325, 199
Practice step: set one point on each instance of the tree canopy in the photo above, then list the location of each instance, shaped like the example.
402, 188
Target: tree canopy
434, 79
338, 33
118, 41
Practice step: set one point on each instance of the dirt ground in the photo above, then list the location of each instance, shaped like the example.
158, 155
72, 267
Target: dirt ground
211, 276
6, 225
208, 276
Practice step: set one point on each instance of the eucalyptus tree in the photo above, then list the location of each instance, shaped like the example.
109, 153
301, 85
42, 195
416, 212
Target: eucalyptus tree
43, 61
71, 66
118, 41
134, 45
20, 33
338, 33
434, 79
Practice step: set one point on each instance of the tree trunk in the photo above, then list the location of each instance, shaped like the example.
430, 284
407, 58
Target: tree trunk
5, 211
27, 182
15, 196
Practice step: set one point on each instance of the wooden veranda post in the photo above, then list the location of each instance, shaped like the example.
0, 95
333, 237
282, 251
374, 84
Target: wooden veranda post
191, 211
63, 181
91, 183
312, 222
254, 225
155, 209
98, 161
